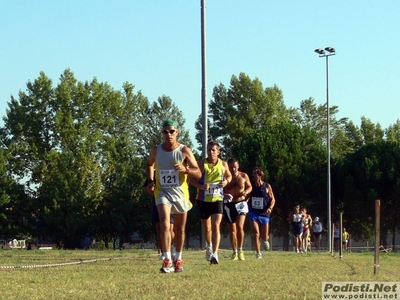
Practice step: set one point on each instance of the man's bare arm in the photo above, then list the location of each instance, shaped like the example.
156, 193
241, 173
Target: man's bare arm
248, 186
192, 168
195, 182
227, 175
150, 171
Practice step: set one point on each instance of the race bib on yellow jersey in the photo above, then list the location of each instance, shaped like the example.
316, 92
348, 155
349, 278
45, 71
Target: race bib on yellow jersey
214, 190
169, 178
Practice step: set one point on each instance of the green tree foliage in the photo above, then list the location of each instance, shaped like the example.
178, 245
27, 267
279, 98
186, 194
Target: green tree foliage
244, 107
360, 136
371, 173
294, 160
309, 114
80, 148
5, 181
371, 132
73, 146
153, 117
14, 211
393, 132
355, 137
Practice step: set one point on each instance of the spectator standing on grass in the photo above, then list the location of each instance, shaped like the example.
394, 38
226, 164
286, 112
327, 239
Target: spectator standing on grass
261, 204
235, 207
307, 223
215, 176
318, 228
172, 163
296, 217
346, 237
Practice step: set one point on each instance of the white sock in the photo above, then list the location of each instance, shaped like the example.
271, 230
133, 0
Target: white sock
178, 255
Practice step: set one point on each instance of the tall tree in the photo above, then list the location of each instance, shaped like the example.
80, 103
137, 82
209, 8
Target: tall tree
68, 143
244, 107
122, 175
309, 114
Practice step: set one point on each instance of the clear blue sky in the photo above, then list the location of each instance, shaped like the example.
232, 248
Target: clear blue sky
156, 46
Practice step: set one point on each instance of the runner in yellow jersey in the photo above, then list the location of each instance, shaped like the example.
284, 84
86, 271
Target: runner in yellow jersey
215, 176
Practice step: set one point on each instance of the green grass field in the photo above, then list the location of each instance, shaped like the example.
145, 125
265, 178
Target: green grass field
134, 274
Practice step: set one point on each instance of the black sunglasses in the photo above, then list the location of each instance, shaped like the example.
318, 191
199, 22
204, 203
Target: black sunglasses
166, 131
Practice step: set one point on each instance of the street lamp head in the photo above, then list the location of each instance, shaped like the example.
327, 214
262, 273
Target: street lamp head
320, 51
330, 49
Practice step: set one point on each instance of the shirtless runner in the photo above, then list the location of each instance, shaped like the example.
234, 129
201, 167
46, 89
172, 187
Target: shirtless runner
235, 208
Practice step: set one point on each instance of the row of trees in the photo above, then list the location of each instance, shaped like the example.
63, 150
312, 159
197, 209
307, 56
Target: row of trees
72, 158
255, 126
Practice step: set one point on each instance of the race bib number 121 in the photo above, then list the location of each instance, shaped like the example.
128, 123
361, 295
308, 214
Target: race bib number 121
169, 178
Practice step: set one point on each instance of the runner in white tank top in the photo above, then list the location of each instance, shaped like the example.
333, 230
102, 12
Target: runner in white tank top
171, 162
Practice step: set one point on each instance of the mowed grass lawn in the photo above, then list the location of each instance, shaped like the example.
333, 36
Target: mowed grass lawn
134, 274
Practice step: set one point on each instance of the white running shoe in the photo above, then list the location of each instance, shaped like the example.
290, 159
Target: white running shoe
167, 266
179, 266
214, 259
266, 245
258, 255
208, 253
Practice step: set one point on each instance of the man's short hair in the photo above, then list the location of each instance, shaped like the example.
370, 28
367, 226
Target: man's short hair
213, 143
233, 160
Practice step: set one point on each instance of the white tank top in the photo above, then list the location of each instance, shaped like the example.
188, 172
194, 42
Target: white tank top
168, 179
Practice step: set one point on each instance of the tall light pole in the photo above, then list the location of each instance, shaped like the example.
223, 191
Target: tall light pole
204, 104
329, 51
